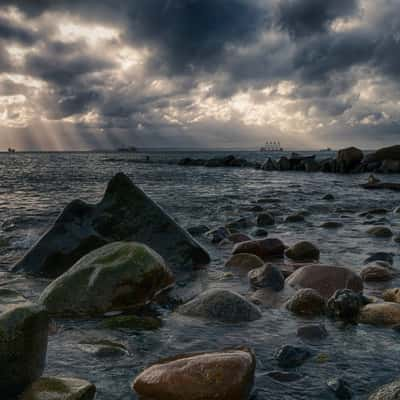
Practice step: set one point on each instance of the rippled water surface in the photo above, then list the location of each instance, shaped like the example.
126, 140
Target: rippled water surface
34, 188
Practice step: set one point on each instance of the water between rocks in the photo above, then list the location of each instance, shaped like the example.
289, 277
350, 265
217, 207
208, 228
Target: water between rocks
35, 187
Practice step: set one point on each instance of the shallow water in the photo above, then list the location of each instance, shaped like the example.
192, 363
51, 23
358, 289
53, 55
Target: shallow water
35, 187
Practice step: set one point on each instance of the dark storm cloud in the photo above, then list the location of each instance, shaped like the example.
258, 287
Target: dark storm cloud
305, 17
236, 45
11, 32
194, 34
63, 64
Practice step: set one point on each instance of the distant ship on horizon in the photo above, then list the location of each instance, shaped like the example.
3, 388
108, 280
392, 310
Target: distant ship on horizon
271, 146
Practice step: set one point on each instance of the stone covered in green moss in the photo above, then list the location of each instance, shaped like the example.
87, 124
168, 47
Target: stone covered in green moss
117, 276
23, 346
48, 388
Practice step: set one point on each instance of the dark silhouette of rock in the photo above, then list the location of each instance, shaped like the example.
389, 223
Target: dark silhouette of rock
312, 332
348, 159
292, 356
385, 153
125, 213
345, 304
340, 388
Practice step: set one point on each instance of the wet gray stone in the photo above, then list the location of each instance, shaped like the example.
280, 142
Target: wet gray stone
221, 305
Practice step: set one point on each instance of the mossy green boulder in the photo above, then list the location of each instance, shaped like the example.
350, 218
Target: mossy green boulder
117, 276
23, 346
48, 388
125, 213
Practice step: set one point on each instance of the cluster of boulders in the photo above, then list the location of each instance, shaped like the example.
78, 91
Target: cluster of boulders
348, 160
113, 259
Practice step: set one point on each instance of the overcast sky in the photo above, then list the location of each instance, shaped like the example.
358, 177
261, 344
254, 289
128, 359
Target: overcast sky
199, 73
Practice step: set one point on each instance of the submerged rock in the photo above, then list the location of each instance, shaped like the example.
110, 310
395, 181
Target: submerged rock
23, 346
331, 225
265, 219
380, 232
225, 375
49, 388
340, 388
329, 197
125, 213
116, 276
345, 305
217, 235
292, 356
389, 391
303, 251
312, 332
386, 313
103, 348
325, 279
132, 322
282, 376
258, 232
221, 305
264, 248
306, 302
294, 218
380, 256
267, 276
244, 262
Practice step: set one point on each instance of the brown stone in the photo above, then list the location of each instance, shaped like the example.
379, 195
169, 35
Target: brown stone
325, 279
392, 295
376, 272
303, 251
307, 302
386, 313
263, 248
224, 375
244, 262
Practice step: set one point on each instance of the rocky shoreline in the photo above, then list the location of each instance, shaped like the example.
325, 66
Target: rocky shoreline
114, 259
348, 160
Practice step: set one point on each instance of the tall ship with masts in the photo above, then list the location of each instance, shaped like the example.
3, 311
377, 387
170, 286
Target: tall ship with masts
272, 146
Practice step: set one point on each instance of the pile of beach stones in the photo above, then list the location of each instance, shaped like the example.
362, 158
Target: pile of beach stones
125, 253
348, 160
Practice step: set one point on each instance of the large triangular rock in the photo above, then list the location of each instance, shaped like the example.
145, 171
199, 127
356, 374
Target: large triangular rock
125, 213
